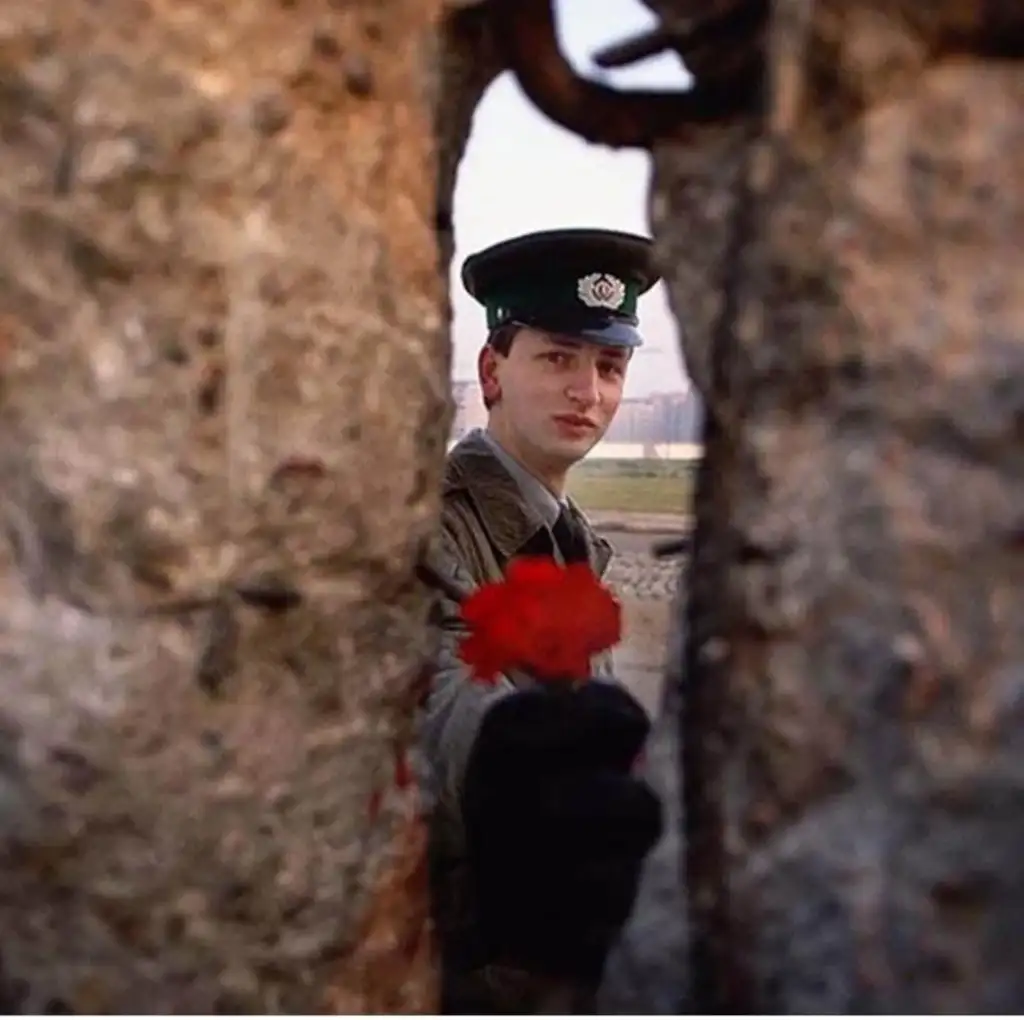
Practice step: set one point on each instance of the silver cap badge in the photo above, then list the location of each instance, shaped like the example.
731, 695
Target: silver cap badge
599, 290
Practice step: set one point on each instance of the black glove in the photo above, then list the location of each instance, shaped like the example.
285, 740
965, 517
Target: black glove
556, 827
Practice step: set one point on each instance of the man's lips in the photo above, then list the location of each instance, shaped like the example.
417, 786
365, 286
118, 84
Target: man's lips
576, 421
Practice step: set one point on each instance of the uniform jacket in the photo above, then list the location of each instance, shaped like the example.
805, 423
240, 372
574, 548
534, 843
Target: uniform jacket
486, 522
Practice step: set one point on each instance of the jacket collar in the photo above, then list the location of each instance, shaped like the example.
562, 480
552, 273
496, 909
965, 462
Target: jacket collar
513, 526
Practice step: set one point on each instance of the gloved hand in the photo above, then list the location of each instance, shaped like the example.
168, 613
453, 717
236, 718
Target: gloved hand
556, 826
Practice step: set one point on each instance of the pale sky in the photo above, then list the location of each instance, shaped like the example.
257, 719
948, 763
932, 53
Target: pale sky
521, 172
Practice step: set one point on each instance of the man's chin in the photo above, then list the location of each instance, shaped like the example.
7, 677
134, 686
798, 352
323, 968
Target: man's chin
572, 450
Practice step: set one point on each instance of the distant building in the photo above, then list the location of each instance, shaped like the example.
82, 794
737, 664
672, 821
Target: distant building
676, 417
631, 424
658, 418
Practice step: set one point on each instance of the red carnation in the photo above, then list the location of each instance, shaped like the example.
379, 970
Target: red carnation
544, 618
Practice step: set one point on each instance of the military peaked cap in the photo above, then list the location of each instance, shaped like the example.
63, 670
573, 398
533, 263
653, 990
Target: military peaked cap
580, 282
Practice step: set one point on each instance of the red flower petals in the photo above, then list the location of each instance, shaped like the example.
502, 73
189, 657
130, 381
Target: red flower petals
544, 618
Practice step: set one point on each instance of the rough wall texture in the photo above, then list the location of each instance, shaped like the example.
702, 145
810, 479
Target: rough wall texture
848, 283
223, 400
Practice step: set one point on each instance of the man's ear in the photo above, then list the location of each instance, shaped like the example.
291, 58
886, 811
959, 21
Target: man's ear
487, 370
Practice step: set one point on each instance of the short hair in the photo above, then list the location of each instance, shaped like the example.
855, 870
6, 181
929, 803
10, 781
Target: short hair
500, 341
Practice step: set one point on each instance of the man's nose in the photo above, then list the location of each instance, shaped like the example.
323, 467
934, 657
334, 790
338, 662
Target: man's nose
582, 387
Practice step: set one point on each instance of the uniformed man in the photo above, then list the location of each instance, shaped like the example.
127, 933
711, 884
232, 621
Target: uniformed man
539, 826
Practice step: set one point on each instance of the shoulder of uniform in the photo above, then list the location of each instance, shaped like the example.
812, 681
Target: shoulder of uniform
460, 462
454, 478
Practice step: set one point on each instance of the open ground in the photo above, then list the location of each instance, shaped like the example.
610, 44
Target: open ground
635, 505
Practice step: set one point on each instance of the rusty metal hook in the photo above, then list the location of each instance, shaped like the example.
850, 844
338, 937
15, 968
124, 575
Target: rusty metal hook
722, 25
525, 29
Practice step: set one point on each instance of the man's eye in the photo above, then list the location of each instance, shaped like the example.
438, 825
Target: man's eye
612, 368
557, 357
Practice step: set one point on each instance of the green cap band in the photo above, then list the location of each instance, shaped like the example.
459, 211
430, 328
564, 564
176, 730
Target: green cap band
595, 294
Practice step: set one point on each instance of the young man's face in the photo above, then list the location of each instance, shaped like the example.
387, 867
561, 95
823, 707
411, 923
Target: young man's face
556, 396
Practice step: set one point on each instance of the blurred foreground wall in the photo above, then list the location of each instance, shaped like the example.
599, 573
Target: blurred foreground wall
223, 406
845, 266
224, 396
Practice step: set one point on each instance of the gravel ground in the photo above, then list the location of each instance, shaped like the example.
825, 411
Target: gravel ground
640, 576
647, 589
